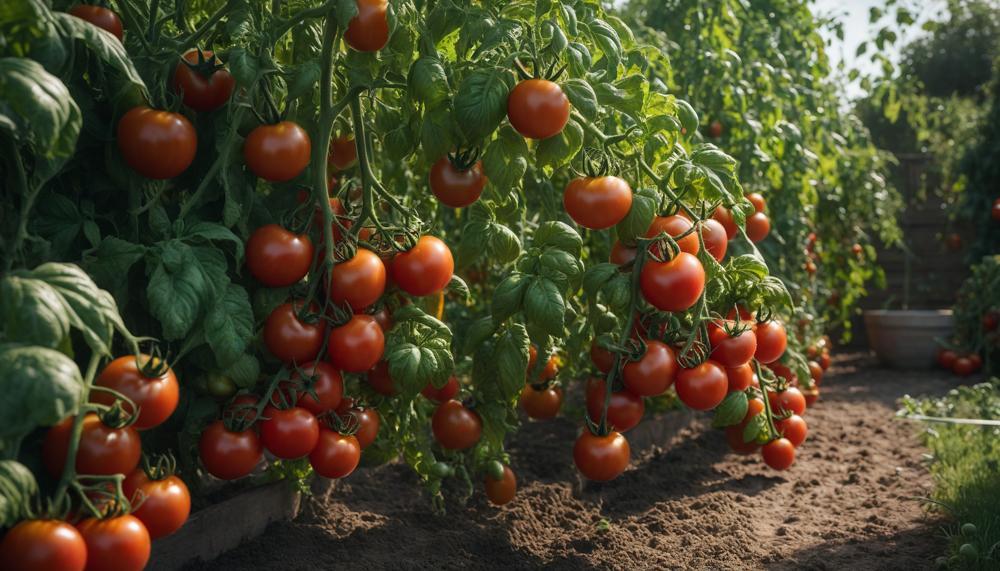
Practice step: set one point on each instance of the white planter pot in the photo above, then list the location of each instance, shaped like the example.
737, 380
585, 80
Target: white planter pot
905, 339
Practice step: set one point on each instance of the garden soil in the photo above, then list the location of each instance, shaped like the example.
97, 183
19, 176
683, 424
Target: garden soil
851, 501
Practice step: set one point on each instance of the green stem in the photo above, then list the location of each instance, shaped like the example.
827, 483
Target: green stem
642, 247
767, 401
220, 161
132, 23
69, 468
154, 11
203, 29
28, 194
328, 112
303, 15
367, 176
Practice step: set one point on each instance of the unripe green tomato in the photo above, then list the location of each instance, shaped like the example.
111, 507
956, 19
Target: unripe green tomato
968, 550
495, 470
969, 530
219, 385
442, 470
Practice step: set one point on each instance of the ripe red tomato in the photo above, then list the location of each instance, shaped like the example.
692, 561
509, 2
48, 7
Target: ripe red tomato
368, 31
771, 341
790, 400
785, 373
716, 238
541, 404
445, 393
229, 455
954, 241
279, 152
455, 426
723, 216
327, 384
424, 269
653, 373
702, 387
368, 423
601, 458
203, 92
602, 358
455, 187
740, 378
731, 351
288, 338
597, 203
43, 545
277, 257
946, 358
824, 360
357, 345
290, 433
336, 455
101, 17
977, 361
963, 367
811, 395
675, 285
995, 211
621, 254
715, 129
625, 409
156, 397
103, 451
359, 281
758, 226
537, 108
815, 371
674, 226
343, 153
551, 366
793, 428
856, 250
759, 204
380, 380
779, 454
503, 490
156, 144
163, 505
115, 544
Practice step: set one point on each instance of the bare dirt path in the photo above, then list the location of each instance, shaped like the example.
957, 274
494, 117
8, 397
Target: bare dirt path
847, 502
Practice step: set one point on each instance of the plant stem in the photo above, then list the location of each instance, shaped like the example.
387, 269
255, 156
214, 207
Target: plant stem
154, 10
367, 176
316, 12
767, 401
69, 468
220, 161
327, 114
132, 23
205, 27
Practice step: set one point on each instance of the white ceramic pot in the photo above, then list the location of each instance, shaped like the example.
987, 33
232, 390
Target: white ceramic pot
905, 339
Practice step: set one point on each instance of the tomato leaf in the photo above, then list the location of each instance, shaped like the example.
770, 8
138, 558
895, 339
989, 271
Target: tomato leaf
595, 278
754, 428
103, 44
481, 102
244, 371
731, 411
18, 489
41, 386
747, 266
688, 117
560, 149
36, 109
436, 133
562, 268
427, 81
559, 235
580, 60
544, 306
508, 297
645, 202
110, 263
511, 358
229, 325
32, 312
215, 233
582, 96
181, 285
775, 293
477, 333
502, 243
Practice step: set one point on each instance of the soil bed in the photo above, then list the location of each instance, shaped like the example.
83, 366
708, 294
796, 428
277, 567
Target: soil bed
849, 502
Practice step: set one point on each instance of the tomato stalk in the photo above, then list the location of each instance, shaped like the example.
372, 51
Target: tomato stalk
303, 15
767, 401
131, 22
154, 11
220, 161
193, 39
69, 469
327, 114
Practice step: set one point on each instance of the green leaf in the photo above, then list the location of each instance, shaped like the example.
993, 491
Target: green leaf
178, 289
458, 286
32, 312
345, 11
561, 267
502, 243
749, 266
477, 333
581, 95
436, 133
754, 428
775, 293
731, 411
103, 44
560, 149
596, 277
304, 79
18, 490
688, 117
110, 264
244, 371
428, 82
511, 357
472, 242
555, 234
36, 109
229, 325
481, 102
508, 297
544, 306
40, 386
215, 233
645, 202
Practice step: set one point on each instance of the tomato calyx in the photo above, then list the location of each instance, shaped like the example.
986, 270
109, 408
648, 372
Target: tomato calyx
116, 416
347, 424
465, 159
158, 466
551, 74
204, 67
153, 364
